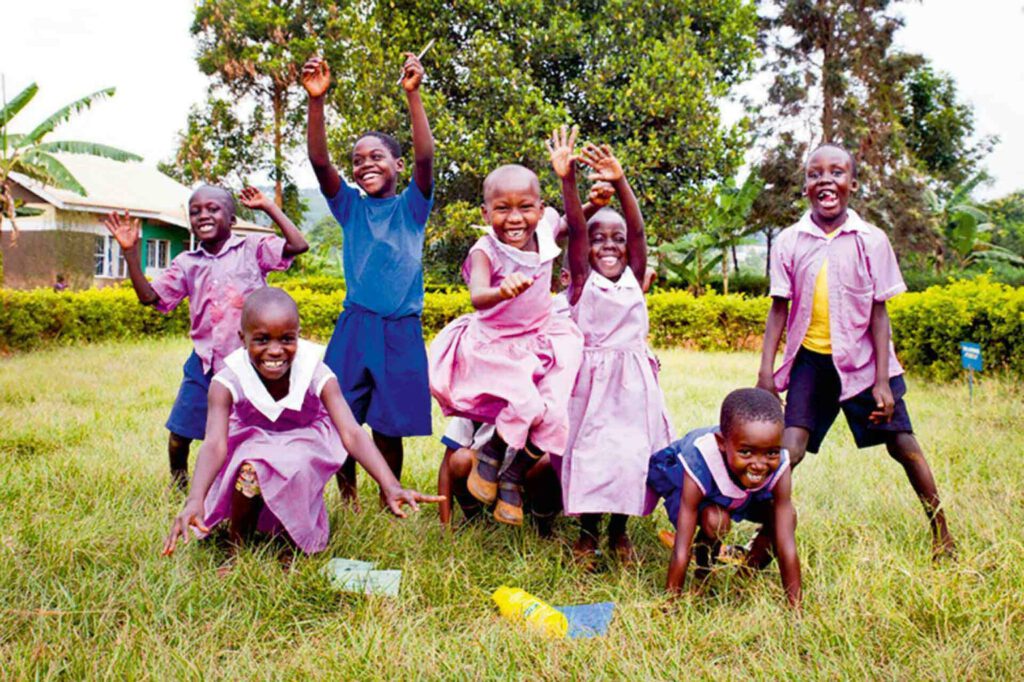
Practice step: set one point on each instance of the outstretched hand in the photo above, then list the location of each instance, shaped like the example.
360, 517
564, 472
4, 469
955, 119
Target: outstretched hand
190, 517
412, 72
601, 194
316, 76
606, 167
561, 149
513, 285
254, 199
395, 498
125, 229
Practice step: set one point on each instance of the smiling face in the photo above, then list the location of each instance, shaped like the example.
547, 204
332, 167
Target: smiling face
752, 451
828, 181
211, 213
512, 205
607, 232
271, 337
375, 167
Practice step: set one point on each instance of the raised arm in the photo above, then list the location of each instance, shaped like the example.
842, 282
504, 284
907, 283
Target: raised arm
773, 328
561, 148
785, 539
600, 195
686, 525
422, 139
360, 447
211, 458
126, 231
316, 77
608, 169
295, 243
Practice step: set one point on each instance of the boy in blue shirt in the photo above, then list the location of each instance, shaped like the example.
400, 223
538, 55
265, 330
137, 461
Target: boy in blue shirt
377, 348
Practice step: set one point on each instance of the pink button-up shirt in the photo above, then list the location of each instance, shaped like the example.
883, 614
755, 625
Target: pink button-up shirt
216, 286
862, 269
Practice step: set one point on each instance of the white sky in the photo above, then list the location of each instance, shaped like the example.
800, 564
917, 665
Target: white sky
143, 47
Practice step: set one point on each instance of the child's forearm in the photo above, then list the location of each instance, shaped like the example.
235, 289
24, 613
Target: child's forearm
785, 549
316, 147
775, 324
579, 242
143, 289
636, 241
208, 463
485, 297
422, 143
880, 331
295, 242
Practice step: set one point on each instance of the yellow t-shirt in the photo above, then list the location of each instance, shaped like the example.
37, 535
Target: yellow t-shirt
819, 335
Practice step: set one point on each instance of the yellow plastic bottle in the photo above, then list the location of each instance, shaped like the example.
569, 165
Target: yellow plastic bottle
516, 604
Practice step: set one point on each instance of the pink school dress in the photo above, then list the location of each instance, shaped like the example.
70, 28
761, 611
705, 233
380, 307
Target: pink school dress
512, 365
291, 444
617, 415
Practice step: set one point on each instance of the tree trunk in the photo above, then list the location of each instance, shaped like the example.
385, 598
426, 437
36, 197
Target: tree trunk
768, 255
725, 271
735, 260
278, 98
828, 95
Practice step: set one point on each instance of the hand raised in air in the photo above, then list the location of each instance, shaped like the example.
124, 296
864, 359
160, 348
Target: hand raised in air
513, 285
412, 72
126, 230
606, 167
601, 194
561, 148
316, 76
254, 199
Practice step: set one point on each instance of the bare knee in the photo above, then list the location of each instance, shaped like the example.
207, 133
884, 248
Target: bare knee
176, 443
795, 440
460, 462
904, 448
715, 522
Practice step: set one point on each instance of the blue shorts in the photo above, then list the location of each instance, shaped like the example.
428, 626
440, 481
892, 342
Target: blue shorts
188, 416
381, 365
812, 403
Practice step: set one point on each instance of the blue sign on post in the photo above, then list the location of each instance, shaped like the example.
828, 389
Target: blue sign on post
970, 355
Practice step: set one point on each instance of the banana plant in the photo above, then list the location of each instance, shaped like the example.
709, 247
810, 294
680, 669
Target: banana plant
727, 221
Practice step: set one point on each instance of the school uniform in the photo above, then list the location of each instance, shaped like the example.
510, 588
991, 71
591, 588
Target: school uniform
216, 285
377, 348
832, 282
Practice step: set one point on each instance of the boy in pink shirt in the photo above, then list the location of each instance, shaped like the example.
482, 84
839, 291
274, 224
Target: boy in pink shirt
831, 274
216, 277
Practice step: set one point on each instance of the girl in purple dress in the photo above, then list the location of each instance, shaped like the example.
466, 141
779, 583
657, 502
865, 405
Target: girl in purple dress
617, 414
278, 429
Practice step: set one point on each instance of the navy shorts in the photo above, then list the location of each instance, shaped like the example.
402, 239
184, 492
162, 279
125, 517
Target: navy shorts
381, 365
812, 403
188, 416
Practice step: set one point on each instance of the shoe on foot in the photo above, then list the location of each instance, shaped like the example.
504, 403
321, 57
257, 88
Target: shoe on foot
483, 478
622, 547
584, 552
509, 509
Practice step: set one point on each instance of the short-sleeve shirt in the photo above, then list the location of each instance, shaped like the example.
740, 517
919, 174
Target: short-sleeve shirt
862, 270
216, 286
383, 248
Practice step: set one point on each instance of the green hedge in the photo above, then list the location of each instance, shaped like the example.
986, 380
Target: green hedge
928, 325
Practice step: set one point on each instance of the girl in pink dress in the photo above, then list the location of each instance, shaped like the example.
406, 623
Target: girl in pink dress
617, 414
277, 431
512, 363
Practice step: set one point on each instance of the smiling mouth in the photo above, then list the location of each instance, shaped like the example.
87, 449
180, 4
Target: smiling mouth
273, 364
827, 198
370, 175
516, 234
609, 261
756, 478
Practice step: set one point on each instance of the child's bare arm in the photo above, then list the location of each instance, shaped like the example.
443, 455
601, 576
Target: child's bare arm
422, 139
256, 200
561, 148
211, 458
600, 195
481, 294
785, 539
686, 525
608, 169
360, 447
885, 403
316, 77
126, 231
773, 328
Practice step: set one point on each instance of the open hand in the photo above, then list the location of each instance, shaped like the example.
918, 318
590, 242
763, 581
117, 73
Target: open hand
606, 166
191, 516
254, 199
767, 382
398, 496
513, 285
412, 72
560, 148
316, 76
601, 194
885, 404
125, 229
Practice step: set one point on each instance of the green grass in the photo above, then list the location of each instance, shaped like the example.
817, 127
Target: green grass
83, 592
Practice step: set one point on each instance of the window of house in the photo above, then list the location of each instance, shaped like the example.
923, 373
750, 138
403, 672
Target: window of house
158, 254
108, 259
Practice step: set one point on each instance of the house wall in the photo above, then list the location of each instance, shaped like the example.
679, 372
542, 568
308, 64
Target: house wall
37, 256
177, 236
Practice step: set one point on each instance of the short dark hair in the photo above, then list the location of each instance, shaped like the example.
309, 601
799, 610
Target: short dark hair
746, 405
390, 142
267, 298
833, 145
228, 194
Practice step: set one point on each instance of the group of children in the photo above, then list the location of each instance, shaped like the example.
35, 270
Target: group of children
554, 401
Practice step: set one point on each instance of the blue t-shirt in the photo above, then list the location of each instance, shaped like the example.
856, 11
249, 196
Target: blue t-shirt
383, 248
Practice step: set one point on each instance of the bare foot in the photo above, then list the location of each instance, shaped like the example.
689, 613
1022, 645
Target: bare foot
584, 552
623, 549
944, 548
287, 560
179, 480
350, 500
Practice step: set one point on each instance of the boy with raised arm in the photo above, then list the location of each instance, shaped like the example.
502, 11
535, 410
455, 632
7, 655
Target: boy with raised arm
377, 348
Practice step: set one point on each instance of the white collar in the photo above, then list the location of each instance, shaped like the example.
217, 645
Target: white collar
627, 280
853, 223
305, 362
547, 249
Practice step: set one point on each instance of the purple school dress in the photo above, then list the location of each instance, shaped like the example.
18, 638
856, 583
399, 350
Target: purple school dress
292, 444
617, 414
512, 365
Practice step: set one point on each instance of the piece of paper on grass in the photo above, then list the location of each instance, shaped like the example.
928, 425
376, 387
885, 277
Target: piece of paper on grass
352, 575
588, 620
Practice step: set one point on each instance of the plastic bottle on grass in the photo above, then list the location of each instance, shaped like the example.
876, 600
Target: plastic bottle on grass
516, 604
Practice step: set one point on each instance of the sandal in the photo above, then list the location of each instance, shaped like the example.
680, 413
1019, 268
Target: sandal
507, 512
732, 555
479, 486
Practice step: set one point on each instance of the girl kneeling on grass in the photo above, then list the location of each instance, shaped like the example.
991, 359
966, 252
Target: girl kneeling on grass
278, 429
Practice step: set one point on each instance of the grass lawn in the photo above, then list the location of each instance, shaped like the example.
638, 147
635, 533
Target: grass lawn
83, 592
